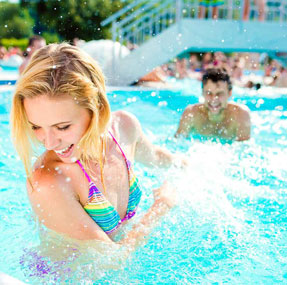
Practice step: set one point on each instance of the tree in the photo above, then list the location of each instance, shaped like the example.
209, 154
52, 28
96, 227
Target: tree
74, 18
14, 21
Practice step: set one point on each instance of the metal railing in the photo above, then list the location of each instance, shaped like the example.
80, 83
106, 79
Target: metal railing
142, 19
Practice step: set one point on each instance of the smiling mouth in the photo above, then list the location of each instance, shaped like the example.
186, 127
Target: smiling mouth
214, 106
65, 151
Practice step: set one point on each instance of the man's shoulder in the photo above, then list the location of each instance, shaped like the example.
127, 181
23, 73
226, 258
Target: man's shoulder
239, 113
238, 109
194, 109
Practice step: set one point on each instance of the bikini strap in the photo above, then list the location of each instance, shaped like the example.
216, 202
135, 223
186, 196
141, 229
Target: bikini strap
119, 146
83, 169
127, 160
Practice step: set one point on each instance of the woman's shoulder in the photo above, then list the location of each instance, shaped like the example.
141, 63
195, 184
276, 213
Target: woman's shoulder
125, 126
125, 117
49, 175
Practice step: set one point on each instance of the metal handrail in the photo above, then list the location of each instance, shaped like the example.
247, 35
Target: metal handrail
162, 5
145, 19
142, 24
121, 12
136, 13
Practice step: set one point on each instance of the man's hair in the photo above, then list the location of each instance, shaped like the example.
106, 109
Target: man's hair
215, 75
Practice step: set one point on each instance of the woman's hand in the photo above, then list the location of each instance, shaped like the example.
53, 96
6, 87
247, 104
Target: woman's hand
165, 194
180, 161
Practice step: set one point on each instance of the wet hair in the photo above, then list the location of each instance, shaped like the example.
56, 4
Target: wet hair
61, 70
215, 75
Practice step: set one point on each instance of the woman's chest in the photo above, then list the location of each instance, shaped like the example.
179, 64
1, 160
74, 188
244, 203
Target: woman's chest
111, 180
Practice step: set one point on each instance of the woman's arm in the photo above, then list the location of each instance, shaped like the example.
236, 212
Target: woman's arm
152, 155
165, 199
59, 210
144, 151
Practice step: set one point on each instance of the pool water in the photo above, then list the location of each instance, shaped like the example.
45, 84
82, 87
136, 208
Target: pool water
230, 223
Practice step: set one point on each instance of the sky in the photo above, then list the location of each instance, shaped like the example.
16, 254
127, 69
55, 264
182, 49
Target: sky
12, 1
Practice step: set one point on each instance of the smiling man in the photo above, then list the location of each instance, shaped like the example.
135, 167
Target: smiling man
216, 117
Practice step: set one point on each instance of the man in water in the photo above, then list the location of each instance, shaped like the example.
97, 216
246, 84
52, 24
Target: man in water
215, 117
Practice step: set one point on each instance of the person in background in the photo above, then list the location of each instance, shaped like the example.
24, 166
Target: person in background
280, 78
3, 53
260, 6
194, 64
83, 185
156, 75
214, 4
181, 68
35, 43
216, 117
207, 61
236, 70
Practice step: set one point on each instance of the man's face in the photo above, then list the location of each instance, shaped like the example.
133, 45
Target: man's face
215, 96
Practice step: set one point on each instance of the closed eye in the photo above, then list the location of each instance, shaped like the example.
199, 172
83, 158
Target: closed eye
63, 128
34, 128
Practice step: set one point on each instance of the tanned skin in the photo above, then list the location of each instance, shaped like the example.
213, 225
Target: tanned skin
215, 117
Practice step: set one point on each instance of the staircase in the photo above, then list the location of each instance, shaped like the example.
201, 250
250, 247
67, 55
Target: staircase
161, 30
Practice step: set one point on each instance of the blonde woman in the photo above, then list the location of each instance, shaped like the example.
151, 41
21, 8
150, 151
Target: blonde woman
83, 185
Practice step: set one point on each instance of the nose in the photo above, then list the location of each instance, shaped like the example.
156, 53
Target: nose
51, 141
213, 97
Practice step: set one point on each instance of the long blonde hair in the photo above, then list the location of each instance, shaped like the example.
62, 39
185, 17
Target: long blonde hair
56, 70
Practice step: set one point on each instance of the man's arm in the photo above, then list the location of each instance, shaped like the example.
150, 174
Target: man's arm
244, 125
186, 122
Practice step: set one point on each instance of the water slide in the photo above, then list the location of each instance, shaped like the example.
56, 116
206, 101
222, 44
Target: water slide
162, 30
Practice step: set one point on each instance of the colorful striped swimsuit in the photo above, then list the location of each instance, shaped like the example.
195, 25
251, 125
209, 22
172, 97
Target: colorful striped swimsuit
101, 210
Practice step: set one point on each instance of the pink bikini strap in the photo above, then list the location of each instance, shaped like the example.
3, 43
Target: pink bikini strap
83, 169
119, 146
127, 161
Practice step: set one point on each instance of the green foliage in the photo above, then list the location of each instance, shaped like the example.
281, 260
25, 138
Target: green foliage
74, 18
14, 21
12, 42
51, 37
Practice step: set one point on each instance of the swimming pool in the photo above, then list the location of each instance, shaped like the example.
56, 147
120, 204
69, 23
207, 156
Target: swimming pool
8, 75
229, 226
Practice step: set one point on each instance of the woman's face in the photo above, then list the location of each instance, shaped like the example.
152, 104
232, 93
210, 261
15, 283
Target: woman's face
59, 123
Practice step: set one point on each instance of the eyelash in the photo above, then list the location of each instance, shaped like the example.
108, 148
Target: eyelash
35, 128
63, 128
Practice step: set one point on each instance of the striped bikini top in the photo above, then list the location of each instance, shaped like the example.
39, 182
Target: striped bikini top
101, 210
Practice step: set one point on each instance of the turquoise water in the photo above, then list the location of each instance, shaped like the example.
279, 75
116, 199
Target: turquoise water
230, 224
8, 75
